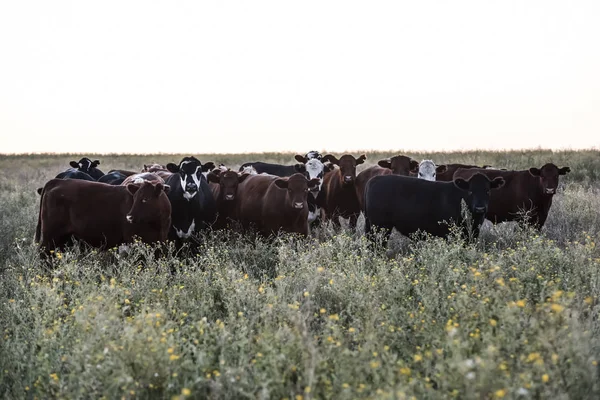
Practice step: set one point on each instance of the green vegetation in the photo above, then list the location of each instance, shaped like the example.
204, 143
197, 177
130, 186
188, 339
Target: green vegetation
514, 315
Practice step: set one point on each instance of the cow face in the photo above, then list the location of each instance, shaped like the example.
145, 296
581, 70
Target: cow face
297, 187
145, 201
428, 170
548, 175
190, 174
478, 189
309, 156
400, 165
347, 164
228, 182
315, 170
88, 166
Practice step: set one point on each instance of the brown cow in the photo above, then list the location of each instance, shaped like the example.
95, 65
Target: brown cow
528, 191
141, 177
397, 165
224, 186
101, 215
274, 204
448, 174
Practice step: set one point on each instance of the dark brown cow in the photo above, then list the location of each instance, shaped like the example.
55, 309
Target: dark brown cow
224, 186
141, 177
448, 174
101, 215
340, 192
273, 204
397, 165
529, 191
154, 167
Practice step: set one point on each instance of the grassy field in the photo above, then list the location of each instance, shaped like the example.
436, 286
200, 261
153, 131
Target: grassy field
514, 315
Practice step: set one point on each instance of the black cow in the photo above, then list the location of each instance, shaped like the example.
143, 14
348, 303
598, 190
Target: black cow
410, 204
89, 167
113, 178
193, 206
73, 173
283, 170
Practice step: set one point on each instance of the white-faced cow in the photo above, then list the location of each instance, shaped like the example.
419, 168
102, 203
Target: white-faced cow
428, 170
192, 203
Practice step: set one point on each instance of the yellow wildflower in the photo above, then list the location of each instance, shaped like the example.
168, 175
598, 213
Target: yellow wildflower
186, 392
545, 378
493, 322
500, 393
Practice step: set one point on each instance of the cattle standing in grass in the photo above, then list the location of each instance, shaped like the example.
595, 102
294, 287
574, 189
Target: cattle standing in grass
224, 185
101, 215
340, 193
448, 174
409, 204
428, 170
192, 203
397, 165
526, 194
274, 204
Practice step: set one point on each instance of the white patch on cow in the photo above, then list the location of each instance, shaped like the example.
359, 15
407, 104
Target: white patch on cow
299, 205
249, 169
129, 219
138, 180
315, 169
223, 168
183, 234
187, 195
427, 170
312, 154
312, 215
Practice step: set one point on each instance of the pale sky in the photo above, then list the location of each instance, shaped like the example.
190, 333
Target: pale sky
240, 76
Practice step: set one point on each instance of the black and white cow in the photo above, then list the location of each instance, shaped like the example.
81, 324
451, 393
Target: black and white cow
410, 204
280, 169
193, 207
89, 167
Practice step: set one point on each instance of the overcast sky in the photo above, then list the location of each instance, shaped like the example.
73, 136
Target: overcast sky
240, 76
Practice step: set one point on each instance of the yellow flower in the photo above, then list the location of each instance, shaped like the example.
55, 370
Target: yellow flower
351, 330
54, 377
261, 290
500, 393
334, 317
545, 378
345, 385
405, 371
493, 322
500, 281
170, 350
307, 389
557, 308
299, 397
186, 392
588, 300
173, 357
374, 364
418, 357
306, 294
521, 303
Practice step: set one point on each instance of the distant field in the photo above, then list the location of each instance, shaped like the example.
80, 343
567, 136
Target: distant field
514, 315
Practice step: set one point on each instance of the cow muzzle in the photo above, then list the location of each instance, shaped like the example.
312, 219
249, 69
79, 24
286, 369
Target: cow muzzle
229, 197
479, 210
299, 205
550, 190
129, 218
348, 178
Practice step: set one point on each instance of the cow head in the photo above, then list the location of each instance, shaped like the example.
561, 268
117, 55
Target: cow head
478, 191
154, 167
249, 169
428, 170
548, 175
228, 182
146, 198
315, 170
207, 167
88, 166
400, 165
347, 164
190, 174
297, 188
313, 154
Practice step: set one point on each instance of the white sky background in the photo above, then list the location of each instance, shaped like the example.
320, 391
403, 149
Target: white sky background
223, 76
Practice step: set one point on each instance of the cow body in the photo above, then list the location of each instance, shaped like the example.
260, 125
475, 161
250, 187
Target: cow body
101, 215
410, 204
273, 204
448, 174
397, 165
224, 187
73, 173
282, 170
527, 191
113, 178
142, 177
193, 207
341, 199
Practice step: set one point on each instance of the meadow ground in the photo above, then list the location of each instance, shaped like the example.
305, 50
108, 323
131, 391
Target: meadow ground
514, 315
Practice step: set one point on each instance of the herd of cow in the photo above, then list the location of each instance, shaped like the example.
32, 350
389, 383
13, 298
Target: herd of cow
177, 201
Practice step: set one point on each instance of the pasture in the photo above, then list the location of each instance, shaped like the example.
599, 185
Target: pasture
512, 315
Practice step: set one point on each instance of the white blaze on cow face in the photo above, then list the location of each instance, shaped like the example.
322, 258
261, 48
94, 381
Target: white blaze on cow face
185, 234
315, 170
427, 170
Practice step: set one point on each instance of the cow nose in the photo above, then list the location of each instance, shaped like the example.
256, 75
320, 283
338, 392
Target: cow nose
299, 204
348, 178
479, 210
191, 187
229, 197
550, 190
129, 218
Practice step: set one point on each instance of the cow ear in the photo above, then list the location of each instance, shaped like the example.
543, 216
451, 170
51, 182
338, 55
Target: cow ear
440, 169
95, 163
300, 159
300, 168
497, 182
564, 170
331, 158
314, 182
242, 177
461, 184
131, 188
166, 188
414, 166
535, 171
158, 188
328, 168
214, 177
281, 183
74, 164
39, 190
385, 164
361, 159
174, 168
209, 166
